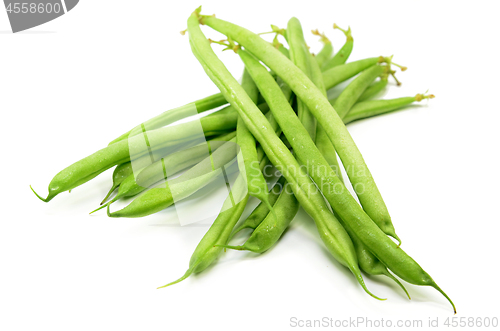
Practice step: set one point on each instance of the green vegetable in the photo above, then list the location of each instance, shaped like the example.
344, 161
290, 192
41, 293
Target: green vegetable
326, 52
202, 174
301, 85
166, 167
378, 107
207, 250
332, 233
121, 172
84, 170
300, 56
343, 54
257, 185
271, 228
341, 201
176, 114
368, 194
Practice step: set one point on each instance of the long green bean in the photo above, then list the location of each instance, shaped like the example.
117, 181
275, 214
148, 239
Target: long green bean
343, 54
378, 107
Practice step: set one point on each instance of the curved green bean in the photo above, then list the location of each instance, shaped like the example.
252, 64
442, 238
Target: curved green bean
261, 211
343, 54
368, 262
271, 229
326, 52
207, 250
121, 172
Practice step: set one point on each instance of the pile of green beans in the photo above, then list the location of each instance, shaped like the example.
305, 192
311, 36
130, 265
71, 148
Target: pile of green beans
279, 118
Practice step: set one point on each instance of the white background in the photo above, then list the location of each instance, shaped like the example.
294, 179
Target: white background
71, 85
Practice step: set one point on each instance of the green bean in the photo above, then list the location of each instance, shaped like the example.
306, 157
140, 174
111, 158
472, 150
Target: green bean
271, 228
257, 185
207, 251
121, 172
165, 167
202, 174
377, 107
342, 202
341, 56
374, 89
173, 115
368, 262
326, 52
261, 211
124, 170
355, 89
299, 54
84, 170
336, 75
359, 174
332, 233
323, 143
369, 196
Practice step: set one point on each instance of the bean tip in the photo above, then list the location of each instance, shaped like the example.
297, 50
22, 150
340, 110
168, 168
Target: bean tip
38, 196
